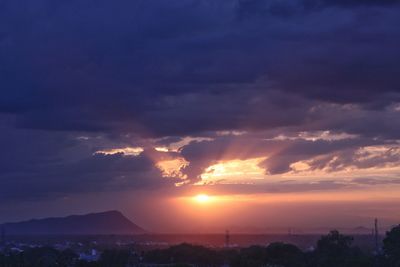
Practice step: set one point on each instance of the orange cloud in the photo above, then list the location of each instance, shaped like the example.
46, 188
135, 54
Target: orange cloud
233, 170
172, 167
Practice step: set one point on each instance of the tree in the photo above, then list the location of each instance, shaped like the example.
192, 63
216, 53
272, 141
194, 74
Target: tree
114, 258
334, 242
253, 256
185, 254
335, 250
40, 257
287, 255
391, 246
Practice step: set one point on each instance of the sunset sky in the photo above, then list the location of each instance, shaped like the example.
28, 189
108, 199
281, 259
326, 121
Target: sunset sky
201, 115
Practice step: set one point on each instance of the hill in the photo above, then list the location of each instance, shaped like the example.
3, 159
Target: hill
109, 222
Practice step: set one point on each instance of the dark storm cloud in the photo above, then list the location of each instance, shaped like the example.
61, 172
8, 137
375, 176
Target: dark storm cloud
121, 73
248, 8
352, 3
97, 173
38, 164
166, 68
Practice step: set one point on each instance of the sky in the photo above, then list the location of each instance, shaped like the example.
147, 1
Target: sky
277, 113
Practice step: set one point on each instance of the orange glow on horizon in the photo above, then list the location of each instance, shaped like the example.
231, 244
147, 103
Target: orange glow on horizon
383, 193
208, 208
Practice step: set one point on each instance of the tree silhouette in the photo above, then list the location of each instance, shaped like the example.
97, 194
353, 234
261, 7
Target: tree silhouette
287, 255
391, 246
335, 250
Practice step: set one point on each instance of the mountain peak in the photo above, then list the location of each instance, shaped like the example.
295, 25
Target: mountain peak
107, 222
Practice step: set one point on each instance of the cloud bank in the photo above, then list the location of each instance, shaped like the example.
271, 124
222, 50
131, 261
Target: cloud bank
245, 78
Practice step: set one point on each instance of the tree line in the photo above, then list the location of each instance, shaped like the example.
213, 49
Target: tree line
332, 250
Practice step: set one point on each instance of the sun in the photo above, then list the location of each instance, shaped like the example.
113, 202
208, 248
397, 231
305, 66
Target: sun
202, 198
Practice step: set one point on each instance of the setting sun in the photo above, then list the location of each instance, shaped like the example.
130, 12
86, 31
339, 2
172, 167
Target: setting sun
202, 198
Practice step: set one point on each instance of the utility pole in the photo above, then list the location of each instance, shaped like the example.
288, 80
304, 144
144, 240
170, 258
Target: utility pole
376, 235
227, 239
376, 241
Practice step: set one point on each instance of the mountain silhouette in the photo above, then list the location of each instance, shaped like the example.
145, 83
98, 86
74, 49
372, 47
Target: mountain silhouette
109, 222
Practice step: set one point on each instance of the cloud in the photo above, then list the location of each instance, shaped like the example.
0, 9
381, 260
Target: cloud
329, 155
98, 173
46, 165
186, 74
351, 3
376, 181
271, 188
167, 68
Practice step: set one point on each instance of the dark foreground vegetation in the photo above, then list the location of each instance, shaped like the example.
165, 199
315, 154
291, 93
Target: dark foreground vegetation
332, 250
